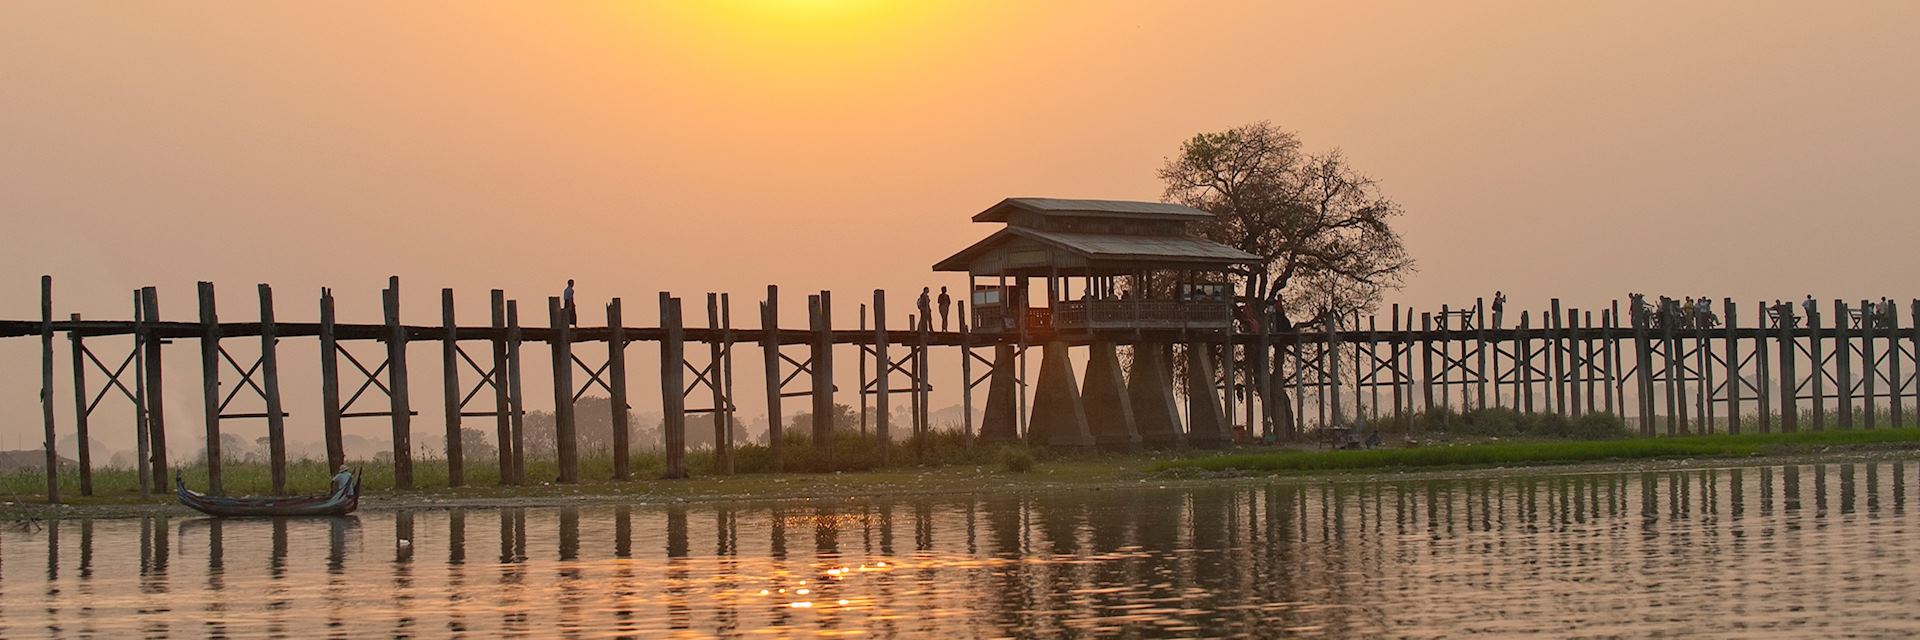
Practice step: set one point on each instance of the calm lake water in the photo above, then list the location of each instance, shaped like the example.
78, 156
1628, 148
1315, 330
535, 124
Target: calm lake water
1794, 551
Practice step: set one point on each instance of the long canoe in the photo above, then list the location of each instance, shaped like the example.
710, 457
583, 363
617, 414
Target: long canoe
341, 501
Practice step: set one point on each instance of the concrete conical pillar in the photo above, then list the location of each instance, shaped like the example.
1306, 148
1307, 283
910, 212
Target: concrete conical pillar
1059, 417
1207, 422
1002, 420
1104, 392
1150, 391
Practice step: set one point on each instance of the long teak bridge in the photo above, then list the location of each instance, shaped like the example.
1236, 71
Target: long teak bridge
1115, 275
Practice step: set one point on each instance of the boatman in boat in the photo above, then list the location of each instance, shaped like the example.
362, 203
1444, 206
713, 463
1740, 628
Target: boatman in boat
342, 480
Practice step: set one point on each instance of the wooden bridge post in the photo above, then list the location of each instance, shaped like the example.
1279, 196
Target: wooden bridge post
1818, 362
1556, 335
52, 456
716, 372
85, 458
1333, 374
1764, 367
1896, 415
1615, 382
1734, 380
617, 378
1480, 348
820, 306
330, 385
1869, 365
401, 402
1789, 411
142, 466
1373, 390
1643, 367
726, 379
1609, 385
1587, 365
1426, 359
209, 385
1228, 371
1703, 386
1670, 354
1446, 357
770, 352
862, 389
966, 375
502, 406
1842, 363
1576, 362
270, 381
565, 445
1399, 403
450, 387
923, 385
156, 400
516, 400
1523, 391
673, 385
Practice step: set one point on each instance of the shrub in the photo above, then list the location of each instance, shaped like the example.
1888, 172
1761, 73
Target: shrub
1017, 459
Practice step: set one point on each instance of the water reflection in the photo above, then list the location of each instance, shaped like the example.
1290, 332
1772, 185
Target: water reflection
1812, 549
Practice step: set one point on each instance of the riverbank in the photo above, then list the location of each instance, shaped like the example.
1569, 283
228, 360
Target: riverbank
1155, 470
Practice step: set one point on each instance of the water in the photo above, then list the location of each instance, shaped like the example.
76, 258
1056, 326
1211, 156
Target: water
1795, 551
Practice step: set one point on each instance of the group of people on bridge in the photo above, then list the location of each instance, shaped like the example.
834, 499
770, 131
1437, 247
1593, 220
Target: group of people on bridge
1690, 313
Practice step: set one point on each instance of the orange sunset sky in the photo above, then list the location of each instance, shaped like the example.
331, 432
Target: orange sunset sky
1578, 150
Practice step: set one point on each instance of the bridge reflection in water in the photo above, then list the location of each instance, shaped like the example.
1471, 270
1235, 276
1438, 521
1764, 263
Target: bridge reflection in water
1815, 549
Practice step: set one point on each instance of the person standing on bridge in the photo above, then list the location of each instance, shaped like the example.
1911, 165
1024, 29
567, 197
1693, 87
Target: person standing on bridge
926, 308
566, 299
946, 304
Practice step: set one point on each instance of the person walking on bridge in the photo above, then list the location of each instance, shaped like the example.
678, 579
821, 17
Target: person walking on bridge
946, 304
926, 308
566, 300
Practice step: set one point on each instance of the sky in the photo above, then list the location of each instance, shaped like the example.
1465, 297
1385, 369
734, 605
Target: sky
1757, 150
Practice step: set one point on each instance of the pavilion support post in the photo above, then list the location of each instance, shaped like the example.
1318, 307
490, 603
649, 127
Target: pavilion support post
1207, 426
84, 457
330, 385
617, 379
672, 384
882, 377
397, 384
1842, 363
270, 389
52, 457
210, 385
1001, 422
1734, 381
450, 389
566, 445
770, 352
1059, 417
1109, 413
502, 406
1150, 392
516, 398
157, 462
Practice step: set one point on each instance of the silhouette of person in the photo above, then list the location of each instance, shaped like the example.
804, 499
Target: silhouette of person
926, 308
566, 300
946, 304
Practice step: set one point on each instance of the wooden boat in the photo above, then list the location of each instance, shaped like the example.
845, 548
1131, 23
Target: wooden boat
341, 501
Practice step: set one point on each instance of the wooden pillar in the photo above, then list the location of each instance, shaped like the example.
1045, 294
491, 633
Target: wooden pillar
85, 457
1643, 367
1869, 369
1817, 363
330, 385
566, 445
1764, 367
52, 457
819, 308
1373, 368
270, 382
726, 377
1789, 412
770, 350
1576, 362
1842, 363
1704, 387
966, 372
1397, 338
1333, 371
863, 393
1734, 380
1445, 342
1896, 414
450, 387
1675, 364
882, 377
1608, 367
1556, 337
1426, 359
617, 379
1480, 349
716, 371
156, 397
516, 401
1523, 362
142, 466
502, 406
210, 385
923, 388
673, 401
397, 375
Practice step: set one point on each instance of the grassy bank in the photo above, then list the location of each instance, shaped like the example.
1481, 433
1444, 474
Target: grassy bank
1541, 452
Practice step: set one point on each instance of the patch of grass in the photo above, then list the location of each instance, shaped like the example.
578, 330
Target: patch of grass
1540, 452
1501, 422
